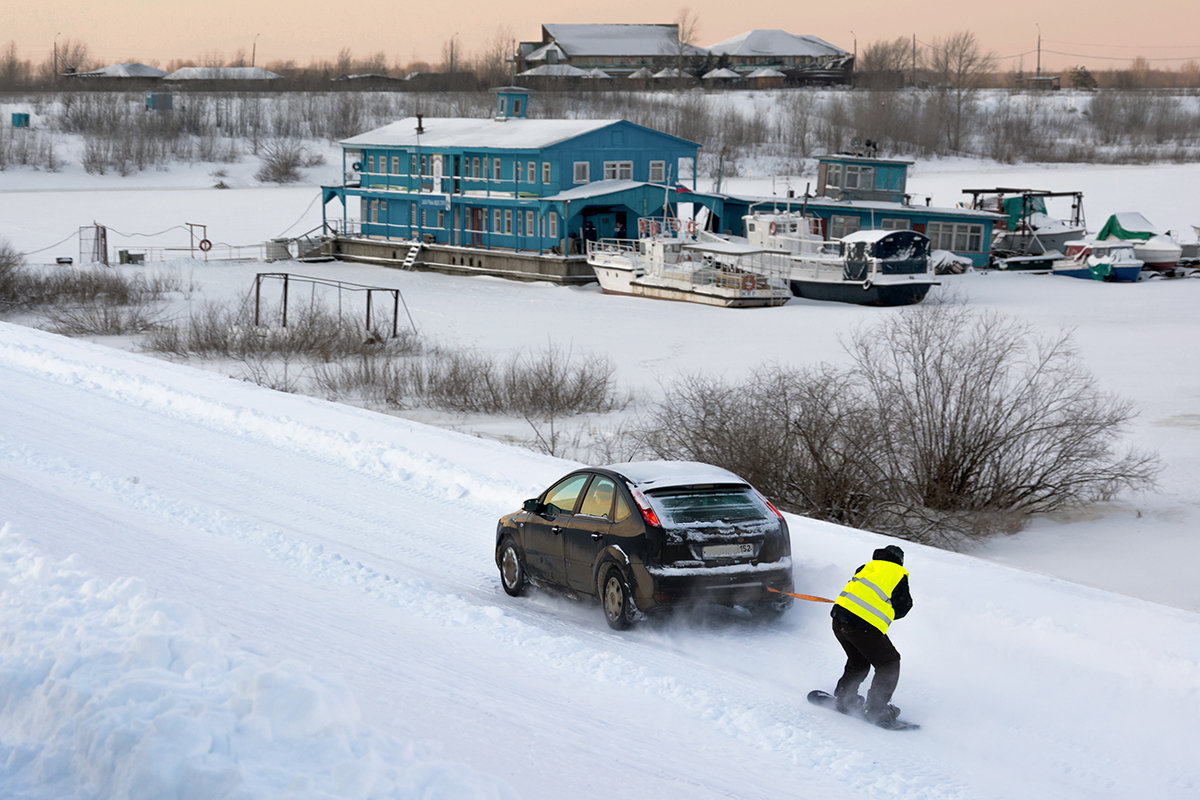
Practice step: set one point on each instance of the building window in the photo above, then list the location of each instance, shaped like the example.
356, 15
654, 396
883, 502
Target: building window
475, 167
374, 211
395, 165
496, 217
496, 169
508, 221
581, 172
960, 237
842, 225
859, 177
618, 170
516, 171
658, 172
412, 214
895, 224
529, 229
516, 106
531, 172
833, 175
370, 163
546, 172
552, 225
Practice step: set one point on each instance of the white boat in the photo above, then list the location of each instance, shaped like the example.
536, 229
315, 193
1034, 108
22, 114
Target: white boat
1029, 229
1156, 249
668, 266
869, 267
1101, 261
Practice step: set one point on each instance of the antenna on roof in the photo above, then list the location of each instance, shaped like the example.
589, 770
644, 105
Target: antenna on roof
420, 124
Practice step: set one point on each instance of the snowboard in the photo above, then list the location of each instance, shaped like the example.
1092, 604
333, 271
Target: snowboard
826, 700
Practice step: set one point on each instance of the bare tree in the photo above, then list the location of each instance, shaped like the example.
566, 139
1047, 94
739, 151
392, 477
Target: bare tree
494, 63
687, 30
14, 72
882, 63
960, 67
950, 425
451, 54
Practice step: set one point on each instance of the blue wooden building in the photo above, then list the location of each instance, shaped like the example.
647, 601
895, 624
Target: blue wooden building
858, 192
471, 190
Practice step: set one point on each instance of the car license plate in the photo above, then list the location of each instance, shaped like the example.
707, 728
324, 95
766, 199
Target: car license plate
726, 550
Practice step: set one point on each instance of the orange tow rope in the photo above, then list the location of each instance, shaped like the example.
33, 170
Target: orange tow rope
811, 597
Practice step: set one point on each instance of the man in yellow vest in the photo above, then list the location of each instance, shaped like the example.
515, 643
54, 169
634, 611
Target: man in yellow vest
875, 597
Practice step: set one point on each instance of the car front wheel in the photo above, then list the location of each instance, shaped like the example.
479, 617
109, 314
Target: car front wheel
512, 569
615, 597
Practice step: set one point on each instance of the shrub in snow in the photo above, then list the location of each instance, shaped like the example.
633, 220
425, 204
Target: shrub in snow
949, 424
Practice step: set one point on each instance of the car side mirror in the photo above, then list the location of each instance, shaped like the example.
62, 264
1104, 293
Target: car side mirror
531, 506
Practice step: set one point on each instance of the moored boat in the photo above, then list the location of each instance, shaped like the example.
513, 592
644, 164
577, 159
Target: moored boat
1157, 250
1101, 261
867, 267
667, 266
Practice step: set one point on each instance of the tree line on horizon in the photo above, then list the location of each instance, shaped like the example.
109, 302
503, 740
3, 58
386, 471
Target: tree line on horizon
956, 59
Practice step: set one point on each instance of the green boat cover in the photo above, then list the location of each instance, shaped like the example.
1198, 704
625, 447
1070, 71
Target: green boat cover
1014, 207
1127, 226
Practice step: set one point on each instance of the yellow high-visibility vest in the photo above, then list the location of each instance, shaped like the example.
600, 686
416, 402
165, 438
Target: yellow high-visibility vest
869, 593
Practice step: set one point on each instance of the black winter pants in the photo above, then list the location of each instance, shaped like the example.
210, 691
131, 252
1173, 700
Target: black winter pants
866, 647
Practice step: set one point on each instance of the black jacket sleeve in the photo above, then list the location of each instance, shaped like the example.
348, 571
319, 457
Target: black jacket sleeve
902, 601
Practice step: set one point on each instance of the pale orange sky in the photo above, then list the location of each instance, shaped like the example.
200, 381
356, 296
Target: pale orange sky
1167, 32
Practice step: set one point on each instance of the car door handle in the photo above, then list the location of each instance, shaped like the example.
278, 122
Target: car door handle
556, 530
596, 536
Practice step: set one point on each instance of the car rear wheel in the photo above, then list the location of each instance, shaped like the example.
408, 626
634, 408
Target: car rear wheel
615, 597
512, 568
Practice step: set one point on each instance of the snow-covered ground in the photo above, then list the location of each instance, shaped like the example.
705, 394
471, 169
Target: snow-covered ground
209, 589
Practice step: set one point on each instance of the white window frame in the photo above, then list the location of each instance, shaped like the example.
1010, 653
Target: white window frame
395, 165
894, 224
530, 230
552, 225
618, 170
508, 222
833, 176
859, 176
497, 217
546, 172
949, 235
580, 171
496, 169
658, 172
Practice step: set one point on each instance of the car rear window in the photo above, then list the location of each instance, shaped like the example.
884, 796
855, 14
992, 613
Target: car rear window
690, 507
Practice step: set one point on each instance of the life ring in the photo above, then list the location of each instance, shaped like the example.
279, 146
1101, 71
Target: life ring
691, 226
654, 227
205, 245
643, 223
748, 282
675, 224
774, 228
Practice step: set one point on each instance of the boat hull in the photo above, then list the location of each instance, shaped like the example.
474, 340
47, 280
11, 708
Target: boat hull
1124, 274
869, 294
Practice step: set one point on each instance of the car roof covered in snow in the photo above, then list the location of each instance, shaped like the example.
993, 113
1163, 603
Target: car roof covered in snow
661, 474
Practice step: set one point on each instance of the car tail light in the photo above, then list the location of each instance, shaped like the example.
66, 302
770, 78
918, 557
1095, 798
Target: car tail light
647, 512
770, 505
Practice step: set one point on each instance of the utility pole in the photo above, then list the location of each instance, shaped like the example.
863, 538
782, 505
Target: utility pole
914, 61
54, 77
1039, 60
254, 48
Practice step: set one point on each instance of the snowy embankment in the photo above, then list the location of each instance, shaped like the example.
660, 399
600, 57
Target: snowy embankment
211, 589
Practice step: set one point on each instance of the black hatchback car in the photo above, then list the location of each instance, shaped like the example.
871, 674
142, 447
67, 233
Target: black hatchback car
649, 536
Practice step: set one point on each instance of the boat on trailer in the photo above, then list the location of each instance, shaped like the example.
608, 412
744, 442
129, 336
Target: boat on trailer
868, 267
668, 263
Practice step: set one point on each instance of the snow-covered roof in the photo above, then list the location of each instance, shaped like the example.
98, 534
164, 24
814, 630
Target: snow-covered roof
723, 72
126, 69
596, 72
514, 133
544, 53
670, 72
617, 40
555, 71
598, 189
641, 72
1134, 221
774, 42
658, 474
221, 74
766, 72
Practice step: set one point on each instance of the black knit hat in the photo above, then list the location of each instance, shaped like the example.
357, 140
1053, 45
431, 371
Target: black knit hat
890, 553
